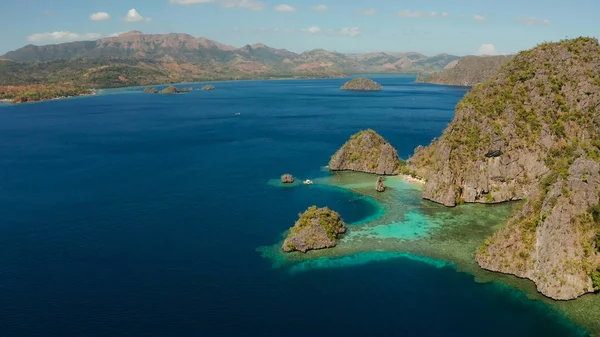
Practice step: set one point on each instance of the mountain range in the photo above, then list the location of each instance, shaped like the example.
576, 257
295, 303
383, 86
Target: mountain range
135, 58
468, 70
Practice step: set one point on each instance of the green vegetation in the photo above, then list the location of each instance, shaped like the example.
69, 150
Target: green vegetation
170, 90
361, 84
327, 218
151, 90
595, 275
404, 169
366, 151
32, 93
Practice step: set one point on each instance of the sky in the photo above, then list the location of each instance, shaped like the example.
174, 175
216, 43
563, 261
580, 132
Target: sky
468, 27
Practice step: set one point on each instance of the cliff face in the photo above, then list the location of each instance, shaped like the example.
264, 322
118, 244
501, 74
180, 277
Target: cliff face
531, 132
366, 152
468, 70
317, 228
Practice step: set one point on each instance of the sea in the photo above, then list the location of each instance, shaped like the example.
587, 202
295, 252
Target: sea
148, 215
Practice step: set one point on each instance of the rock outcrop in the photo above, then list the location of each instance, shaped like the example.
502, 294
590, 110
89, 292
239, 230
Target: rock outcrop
208, 87
366, 152
174, 90
287, 179
531, 132
317, 228
170, 90
150, 90
468, 71
379, 186
361, 84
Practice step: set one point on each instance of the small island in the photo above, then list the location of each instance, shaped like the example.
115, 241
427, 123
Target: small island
150, 90
366, 152
317, 228
361, 84
287, 179
174, 90
208, 87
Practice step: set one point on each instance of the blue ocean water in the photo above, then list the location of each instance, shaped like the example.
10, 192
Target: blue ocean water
131, 214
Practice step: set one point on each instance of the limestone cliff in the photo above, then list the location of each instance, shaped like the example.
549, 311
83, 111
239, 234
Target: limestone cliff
366, 152
317, 228
531, 132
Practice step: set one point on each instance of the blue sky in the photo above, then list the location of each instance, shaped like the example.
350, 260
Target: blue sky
426, 26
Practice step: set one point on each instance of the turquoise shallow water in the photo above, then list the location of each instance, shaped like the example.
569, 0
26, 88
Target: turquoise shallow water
128, 214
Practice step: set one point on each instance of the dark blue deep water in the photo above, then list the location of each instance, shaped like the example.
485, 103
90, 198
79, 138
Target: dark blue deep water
130, 214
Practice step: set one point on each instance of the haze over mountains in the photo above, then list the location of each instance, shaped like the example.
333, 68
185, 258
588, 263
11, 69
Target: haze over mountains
182, 57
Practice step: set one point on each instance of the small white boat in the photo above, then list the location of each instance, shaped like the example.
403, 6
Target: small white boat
237, 114
308, 182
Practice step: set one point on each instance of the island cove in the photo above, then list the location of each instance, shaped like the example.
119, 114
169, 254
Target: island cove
552, 229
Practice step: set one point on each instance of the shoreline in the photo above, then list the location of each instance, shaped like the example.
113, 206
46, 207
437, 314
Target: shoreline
92, 92
412, 180
452, 236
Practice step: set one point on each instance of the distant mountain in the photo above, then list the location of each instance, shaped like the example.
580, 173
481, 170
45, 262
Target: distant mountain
468, 70
182, 57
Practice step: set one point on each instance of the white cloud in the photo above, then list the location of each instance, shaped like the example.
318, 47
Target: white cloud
532, 21
312, 30
190, 2
253, 5
350, 31
319, 8
116, 34
100, 16
345, 31
487, 49
62, 36
134, 16
417, 14
479, 18
285, 8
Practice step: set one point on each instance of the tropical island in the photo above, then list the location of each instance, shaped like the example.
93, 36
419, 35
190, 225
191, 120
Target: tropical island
174, 90
366, 151
361, 84
530, 133
317, 228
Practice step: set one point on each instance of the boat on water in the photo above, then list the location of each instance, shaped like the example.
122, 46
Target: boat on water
237, 113
308, 182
